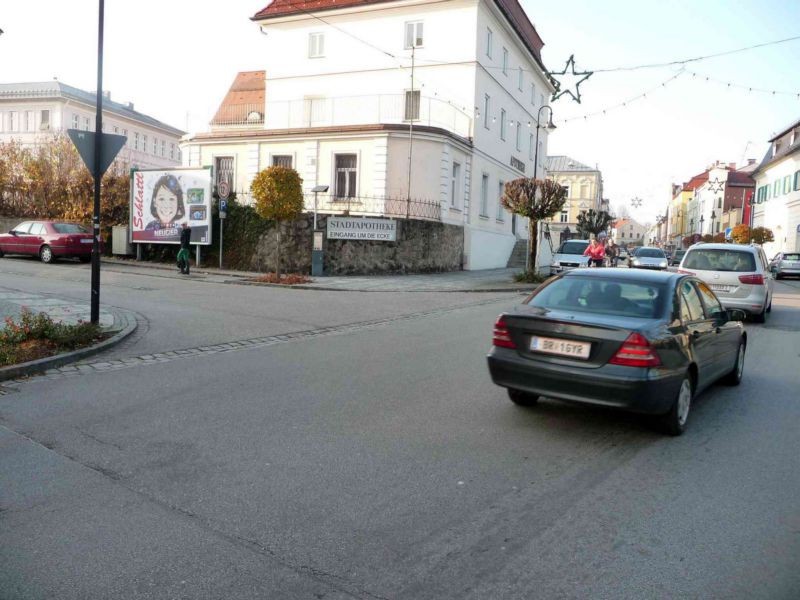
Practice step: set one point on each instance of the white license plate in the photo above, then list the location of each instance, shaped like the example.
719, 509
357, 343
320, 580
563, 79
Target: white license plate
560, 347
720, 288
85, 241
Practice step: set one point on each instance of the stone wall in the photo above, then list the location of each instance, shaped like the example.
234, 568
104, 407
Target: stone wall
8, 223
421, 247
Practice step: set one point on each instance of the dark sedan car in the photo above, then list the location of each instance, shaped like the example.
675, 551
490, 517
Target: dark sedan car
644, 341
48, 240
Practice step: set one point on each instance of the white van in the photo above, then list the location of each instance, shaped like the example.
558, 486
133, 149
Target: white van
569, 256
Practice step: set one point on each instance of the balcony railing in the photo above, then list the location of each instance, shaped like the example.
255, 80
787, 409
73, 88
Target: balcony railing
372, 206
239, 116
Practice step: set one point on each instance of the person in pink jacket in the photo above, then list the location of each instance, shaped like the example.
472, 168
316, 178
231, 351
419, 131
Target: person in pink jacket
596, 253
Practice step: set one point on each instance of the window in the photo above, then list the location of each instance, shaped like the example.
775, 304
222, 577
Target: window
584, 190
505, 61
163, 147
414, 34
136, 141
519, 135
797, 180
487, 104
521, 79
172, 151
13, 120
540, 151
533, 94
155, 146
316, 45
144, 143
116, 129
29, 120
412, 105
455, 192
691, 306
530, 146
38, 229
282, 160
488, 42
564, 216
346, 173
719, 202
75, 121
223, 169
787, 184
502, 123
501, 189
776, 188
86, 123
125, 133
179, 153
592, 295
484, 195
44, 121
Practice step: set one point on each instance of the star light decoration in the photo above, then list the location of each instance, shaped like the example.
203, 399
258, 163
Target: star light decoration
636, 202
574, 80
716, 185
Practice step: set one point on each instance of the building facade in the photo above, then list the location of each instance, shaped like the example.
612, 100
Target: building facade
629, 232
31, 113
777, 196
379, 101
584, 187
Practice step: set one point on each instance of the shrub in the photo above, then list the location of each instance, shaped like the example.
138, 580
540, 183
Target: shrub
36, 335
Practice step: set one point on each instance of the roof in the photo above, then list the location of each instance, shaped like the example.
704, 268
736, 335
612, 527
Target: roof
511, 9
560, 164
56, 89
769, 159
245, 96
740, 179
695, 182
785, 130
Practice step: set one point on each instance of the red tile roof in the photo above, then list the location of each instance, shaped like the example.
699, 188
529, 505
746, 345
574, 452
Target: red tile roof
245, 96
510, 8
738, 178
695, 182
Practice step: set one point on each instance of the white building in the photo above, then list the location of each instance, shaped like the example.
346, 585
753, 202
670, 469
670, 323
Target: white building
777, 197
33, 112
345, 108
628, 232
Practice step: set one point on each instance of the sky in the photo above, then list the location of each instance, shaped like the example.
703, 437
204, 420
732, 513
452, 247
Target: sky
175, 60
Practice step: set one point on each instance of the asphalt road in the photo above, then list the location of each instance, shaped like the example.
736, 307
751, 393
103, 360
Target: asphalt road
378, 461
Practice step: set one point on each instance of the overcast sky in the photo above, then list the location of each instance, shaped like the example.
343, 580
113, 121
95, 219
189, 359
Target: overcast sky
175, 59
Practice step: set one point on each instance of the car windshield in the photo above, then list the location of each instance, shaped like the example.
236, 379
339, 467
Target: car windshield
794, 256
574, 247
607, 296
650, 253
707, 259
69, 228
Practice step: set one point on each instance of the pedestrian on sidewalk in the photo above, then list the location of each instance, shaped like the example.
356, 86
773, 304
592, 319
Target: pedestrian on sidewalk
595, 251
183, 253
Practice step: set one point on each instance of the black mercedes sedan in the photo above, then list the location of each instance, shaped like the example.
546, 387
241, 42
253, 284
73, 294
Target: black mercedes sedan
644, 341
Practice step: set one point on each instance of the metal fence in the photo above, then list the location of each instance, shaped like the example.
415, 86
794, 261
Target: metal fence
374, 206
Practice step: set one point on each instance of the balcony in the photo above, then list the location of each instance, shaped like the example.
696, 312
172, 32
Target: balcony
347, 111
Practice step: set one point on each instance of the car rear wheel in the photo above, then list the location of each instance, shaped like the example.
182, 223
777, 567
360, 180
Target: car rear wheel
674, 422
735, 376
760, 317
521, 398
46, 254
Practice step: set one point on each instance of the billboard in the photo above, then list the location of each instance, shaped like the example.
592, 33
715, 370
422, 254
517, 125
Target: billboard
163, 199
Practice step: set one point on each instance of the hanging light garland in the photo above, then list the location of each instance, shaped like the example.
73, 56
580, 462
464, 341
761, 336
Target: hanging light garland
749, 88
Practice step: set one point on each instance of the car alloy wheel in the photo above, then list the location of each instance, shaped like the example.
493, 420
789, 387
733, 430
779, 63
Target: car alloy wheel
674, 422
735, 376
46, 254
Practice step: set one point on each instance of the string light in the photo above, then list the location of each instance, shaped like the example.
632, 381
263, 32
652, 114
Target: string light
731, 84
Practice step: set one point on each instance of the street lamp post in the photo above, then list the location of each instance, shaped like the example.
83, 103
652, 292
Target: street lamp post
317, 259
702, 218
713, 216
549, 126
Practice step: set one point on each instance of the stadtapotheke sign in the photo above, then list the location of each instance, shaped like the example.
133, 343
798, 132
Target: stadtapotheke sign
353, 228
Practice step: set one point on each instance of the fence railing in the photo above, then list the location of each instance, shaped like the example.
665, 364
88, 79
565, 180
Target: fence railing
239, 115
373, 206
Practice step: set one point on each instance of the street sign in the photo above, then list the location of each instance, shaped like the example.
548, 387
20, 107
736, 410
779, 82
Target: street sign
223, 206
728, 232
84, 142
223, 190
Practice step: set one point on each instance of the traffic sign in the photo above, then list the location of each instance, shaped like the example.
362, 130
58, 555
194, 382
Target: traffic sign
84, 142
224, 190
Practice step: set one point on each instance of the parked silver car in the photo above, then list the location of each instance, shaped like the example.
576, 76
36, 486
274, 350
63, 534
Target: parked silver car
785, 264
569, 256
738, 274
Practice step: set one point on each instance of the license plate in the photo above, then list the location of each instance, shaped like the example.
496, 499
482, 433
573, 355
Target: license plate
85, 241
560, 347
720, 288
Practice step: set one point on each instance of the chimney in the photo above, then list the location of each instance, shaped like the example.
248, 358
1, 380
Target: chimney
751, 161
130, 105
732, 166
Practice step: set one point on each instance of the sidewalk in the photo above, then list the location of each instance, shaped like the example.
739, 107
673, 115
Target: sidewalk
490, 280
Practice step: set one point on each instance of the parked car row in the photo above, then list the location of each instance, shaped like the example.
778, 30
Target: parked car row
785, 264
48, 240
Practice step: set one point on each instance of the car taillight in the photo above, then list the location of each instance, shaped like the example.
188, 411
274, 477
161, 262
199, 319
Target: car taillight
501, 336
636, 351
754, 279
686, 272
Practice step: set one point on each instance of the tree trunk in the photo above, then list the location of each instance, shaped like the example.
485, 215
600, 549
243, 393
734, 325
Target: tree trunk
278, 251
533, 244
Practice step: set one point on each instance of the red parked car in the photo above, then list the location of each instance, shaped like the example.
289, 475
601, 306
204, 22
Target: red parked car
48, 240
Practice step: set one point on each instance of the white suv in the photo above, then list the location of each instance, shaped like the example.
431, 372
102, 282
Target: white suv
738, 274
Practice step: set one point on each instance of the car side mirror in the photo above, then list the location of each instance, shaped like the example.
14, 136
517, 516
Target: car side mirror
735, 314
13, 232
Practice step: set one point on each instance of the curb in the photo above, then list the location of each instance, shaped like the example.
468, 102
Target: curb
51, 362
322, 288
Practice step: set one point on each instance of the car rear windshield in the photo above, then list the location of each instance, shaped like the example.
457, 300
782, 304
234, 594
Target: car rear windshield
69, 228
791, 256
607, 296
573, 247
706, 259
650, 253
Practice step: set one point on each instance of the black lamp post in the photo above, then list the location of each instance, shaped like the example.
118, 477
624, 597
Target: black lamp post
713, 216
702, 218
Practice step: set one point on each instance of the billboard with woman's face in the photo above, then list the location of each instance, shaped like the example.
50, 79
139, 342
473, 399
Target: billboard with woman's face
163, 199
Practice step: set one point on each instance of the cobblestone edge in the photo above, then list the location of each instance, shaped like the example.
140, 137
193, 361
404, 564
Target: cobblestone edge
124, 321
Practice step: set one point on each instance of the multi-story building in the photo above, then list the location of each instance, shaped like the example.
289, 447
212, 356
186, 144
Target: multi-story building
584, 187
33, 112
777, 197
628, 232
380, 101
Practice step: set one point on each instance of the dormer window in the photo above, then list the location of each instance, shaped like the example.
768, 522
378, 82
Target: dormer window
414, 36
